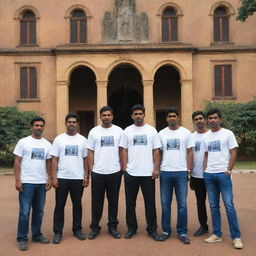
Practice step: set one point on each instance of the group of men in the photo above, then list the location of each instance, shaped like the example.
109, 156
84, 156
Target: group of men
206, 157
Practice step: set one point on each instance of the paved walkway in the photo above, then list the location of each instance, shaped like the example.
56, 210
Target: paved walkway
141, 244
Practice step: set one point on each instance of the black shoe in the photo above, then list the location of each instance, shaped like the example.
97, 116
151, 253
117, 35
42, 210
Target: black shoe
93, 234
154, 236
130, 233
57, 238
164, 236
79, 235
184, 239
201, 231
23, 246
41, 239
113, 232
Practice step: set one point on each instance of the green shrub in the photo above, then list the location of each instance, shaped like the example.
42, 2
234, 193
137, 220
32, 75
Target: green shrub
241, 119
14, 125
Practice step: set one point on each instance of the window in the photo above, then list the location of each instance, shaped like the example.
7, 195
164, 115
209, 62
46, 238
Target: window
169, 25
223, 80
28, 83
28, 28
221, 25
78, 27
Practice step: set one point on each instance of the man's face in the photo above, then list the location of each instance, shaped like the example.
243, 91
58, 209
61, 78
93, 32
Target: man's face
138, 117
213, 121
106, 117
71, 125
172, 119
37, 128
199, 122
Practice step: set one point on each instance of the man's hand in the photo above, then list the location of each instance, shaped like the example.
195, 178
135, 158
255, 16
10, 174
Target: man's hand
86, 181
18, 185
48, 185
155, 174
228, 173
55, 183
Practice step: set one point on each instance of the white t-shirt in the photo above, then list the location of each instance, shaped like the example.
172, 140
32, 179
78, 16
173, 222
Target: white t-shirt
34, 153
71, 151
105, 144
198, 153
174, 147
218, 144
140, 142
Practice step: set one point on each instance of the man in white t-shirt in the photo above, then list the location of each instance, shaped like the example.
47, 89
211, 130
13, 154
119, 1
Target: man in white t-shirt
197, 179
32, 180
69, 175
140, 162
104, 166
220, 148
177, 160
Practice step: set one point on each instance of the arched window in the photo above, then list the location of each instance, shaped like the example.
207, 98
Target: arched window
221, 24
169, 25
28, 28
78, 27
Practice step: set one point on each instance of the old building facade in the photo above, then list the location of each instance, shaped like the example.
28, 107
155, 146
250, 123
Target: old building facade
66, 56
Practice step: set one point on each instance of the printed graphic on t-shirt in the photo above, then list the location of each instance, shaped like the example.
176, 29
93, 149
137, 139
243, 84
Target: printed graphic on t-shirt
71, 150
38, 153
197, 145
214, 146
107, 141
140, 140
173, 144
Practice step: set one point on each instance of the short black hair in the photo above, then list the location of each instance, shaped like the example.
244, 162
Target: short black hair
106, 108
213, 111
198, 112
71, 115
172, 110
36, 119
138, 107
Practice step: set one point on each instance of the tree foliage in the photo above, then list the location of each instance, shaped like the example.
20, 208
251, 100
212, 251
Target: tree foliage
14, 125
241, 119
247, 8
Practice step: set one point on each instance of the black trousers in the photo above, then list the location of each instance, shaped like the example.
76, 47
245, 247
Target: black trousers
200, 191
101, 184
147, 185
75, 188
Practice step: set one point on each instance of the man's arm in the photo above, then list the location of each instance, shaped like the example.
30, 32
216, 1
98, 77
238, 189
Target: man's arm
232, 159
205, 160
124, 158
48, 169
54, 167
156, 160
190, 158
16, 167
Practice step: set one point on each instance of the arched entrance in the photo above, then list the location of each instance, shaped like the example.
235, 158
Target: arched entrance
125, 89
83, 97
167, 93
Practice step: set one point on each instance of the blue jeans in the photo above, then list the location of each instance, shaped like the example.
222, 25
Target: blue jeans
216, 184
32, 195
179, 182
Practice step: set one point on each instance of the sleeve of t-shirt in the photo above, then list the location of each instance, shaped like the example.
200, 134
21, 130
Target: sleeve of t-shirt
55, 149
124, 141
91, 142
18, 151
156, 141
190, 141
232, 143
84, 148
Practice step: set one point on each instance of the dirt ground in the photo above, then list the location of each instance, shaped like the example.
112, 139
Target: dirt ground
140, 244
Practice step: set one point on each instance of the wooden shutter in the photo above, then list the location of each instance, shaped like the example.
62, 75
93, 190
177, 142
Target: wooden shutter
217, 80
165, 29
23, 82
73, 31
228, 80
33, 83
32, 32
174, 29
83, 32
225, 29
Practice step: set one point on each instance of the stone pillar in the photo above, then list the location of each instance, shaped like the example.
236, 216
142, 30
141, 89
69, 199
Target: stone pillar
186, 103
149, 101
62, 106
102, 99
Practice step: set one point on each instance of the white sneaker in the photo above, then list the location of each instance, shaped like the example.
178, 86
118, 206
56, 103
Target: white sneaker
238, 243
213, 239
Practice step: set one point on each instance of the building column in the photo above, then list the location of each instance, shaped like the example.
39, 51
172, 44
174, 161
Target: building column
186, 103
102, 99
62, 107
149, 101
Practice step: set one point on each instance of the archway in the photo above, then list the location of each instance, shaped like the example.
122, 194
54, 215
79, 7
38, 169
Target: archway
83, 97
167, 93
125, 89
